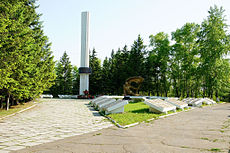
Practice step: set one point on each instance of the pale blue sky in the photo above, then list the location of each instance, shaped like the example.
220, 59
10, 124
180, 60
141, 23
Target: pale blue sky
114, 23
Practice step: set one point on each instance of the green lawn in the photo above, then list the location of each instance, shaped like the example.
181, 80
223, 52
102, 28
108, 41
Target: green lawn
14, 109
134, 112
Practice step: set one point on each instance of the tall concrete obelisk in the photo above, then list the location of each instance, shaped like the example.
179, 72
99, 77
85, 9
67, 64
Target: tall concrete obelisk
84, 69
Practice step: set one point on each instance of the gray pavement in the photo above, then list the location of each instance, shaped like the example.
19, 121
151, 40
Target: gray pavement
199, 130
51, 120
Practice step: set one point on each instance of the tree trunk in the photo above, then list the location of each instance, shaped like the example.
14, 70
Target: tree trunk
217, 94
1, 103
11, 101
187, 88
16, 101
177, 92
157, 87
203, 92
8, 101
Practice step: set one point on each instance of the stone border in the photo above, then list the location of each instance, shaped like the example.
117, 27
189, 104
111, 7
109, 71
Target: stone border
19, 111
151, 119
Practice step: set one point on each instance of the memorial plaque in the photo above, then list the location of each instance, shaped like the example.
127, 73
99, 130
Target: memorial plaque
101, 104
46, 96
159, 106
97, 99
115, 107
177, 103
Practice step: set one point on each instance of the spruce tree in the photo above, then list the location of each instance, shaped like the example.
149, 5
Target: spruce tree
136, 58
25, 52
64, 80
76, 80
95, 80
105, 75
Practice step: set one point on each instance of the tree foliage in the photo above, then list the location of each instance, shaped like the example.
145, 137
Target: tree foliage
214, 44
95, 79
64, 80
27, 67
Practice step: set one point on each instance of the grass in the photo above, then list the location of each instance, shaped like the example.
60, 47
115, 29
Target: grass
134, 112
204, 138
15, 109
97, 134
225, 125
215, 150
214, 140
222, 131
220, 102
137, 112
185, 147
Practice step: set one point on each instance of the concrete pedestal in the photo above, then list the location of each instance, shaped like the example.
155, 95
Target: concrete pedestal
84, 83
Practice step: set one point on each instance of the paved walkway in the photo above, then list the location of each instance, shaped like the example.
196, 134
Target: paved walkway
200, 130
51, 120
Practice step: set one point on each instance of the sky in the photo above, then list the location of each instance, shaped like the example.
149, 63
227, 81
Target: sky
116, 23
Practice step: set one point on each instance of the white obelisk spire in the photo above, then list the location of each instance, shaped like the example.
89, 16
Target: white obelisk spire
84, 69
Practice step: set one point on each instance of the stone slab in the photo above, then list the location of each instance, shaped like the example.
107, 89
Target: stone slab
102, 104
160, 105
100, 101
177, 103
46, 96
115, 107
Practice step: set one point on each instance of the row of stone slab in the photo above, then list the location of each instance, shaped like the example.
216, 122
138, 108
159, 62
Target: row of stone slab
171, 104
109, 105
163, 106
46, 96
196, 102
67, 96
59, 96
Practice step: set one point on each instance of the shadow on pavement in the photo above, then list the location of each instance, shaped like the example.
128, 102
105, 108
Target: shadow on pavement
92, 109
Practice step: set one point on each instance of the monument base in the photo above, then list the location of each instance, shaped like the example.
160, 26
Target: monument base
84, 83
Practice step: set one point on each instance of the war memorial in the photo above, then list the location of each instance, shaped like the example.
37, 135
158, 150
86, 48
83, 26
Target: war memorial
130, 122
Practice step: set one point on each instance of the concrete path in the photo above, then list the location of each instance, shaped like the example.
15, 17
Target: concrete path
200, 130
51, 120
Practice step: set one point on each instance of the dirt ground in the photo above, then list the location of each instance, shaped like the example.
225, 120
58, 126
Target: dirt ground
204, 129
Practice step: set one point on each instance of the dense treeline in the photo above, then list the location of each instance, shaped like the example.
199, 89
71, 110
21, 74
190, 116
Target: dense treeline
193, 63
26, 67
